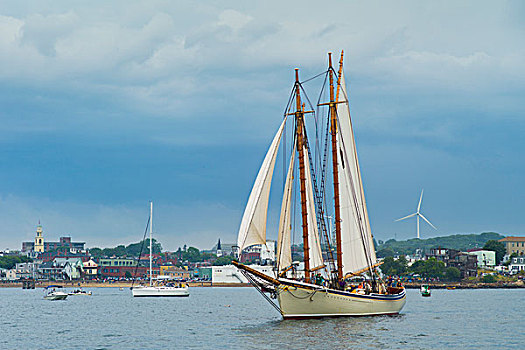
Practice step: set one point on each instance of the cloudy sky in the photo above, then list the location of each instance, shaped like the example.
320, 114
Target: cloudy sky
107, 105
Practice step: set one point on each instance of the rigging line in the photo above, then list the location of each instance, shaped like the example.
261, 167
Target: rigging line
302, 298
140, 253
258, 286
318, 108
312, 78
305, 96
321, 224
290, 99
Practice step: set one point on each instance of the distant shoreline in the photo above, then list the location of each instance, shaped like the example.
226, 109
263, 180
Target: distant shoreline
128, 284
117, 284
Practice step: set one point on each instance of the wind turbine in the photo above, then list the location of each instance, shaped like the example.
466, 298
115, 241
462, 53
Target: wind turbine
417, 214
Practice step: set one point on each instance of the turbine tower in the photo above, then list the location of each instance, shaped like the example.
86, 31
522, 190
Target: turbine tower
417, 214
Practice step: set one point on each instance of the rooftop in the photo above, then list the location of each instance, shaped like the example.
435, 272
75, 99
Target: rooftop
512, 239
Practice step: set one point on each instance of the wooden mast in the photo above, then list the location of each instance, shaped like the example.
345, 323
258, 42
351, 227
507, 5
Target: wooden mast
299, 119
333, 130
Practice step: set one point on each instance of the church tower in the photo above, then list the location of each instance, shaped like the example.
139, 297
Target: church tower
219, 248
39, 239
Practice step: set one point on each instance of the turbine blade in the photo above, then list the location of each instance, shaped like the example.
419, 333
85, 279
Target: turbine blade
406, 217
420, 198
428, 222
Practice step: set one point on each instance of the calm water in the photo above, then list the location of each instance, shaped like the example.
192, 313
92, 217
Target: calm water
240, 318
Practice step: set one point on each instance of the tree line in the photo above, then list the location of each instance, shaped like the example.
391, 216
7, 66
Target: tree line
431, 268
458, 242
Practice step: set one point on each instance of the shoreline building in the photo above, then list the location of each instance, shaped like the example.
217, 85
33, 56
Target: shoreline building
486, 258
39, 245
230, 274
514, 244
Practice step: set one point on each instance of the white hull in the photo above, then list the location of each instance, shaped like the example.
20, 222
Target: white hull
302, 302
160, 292
56, 296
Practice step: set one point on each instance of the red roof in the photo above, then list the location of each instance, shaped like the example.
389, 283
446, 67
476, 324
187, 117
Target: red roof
512, 239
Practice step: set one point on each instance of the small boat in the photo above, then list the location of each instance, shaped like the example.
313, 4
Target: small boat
158, 289
425, 290
51, 293
451, 287
79, 292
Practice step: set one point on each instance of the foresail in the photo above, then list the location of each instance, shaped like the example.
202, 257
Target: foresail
316, 257
358, 250
253, 224
284, 240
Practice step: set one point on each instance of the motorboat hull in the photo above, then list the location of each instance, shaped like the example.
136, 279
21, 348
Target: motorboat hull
160, 292
55, 296
296, 301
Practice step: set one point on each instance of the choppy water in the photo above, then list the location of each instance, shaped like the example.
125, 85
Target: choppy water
239, 318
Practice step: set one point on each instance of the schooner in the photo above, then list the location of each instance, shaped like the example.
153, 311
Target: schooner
324, 285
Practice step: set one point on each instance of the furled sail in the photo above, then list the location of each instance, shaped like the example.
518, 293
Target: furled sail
253, 224
284, 240
316, 257
358, 250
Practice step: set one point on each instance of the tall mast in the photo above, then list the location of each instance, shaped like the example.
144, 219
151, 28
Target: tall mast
150, 243
333, 131
299, 119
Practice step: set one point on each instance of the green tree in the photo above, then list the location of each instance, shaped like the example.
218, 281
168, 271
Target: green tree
10, 261
452, 274
392, 266
433, 268
191, 254
119, 250
497, 247
223, 260
385, 252
488, 279
127, 274
417, 267
95, 252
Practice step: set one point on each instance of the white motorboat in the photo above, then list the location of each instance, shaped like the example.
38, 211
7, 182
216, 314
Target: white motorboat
51, 293
79, 292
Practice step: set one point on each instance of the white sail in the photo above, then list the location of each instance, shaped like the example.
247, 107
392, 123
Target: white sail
253, 224
284, 240
316, 257
358, 250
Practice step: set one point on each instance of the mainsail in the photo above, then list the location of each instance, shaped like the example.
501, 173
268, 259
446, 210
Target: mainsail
284, 241
357, 245
253, 224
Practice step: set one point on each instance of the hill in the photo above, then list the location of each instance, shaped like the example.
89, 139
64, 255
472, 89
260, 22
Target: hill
459, 242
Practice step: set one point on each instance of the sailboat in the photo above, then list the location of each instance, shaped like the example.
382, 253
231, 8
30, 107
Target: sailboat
337, 278
156, 289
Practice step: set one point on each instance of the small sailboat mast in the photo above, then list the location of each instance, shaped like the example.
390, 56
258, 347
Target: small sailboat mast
150, 243
299, 119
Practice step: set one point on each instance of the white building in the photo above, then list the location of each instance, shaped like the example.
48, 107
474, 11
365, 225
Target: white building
266, 252
26, 270
517, 264
486, 258
230, 274
10, 275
